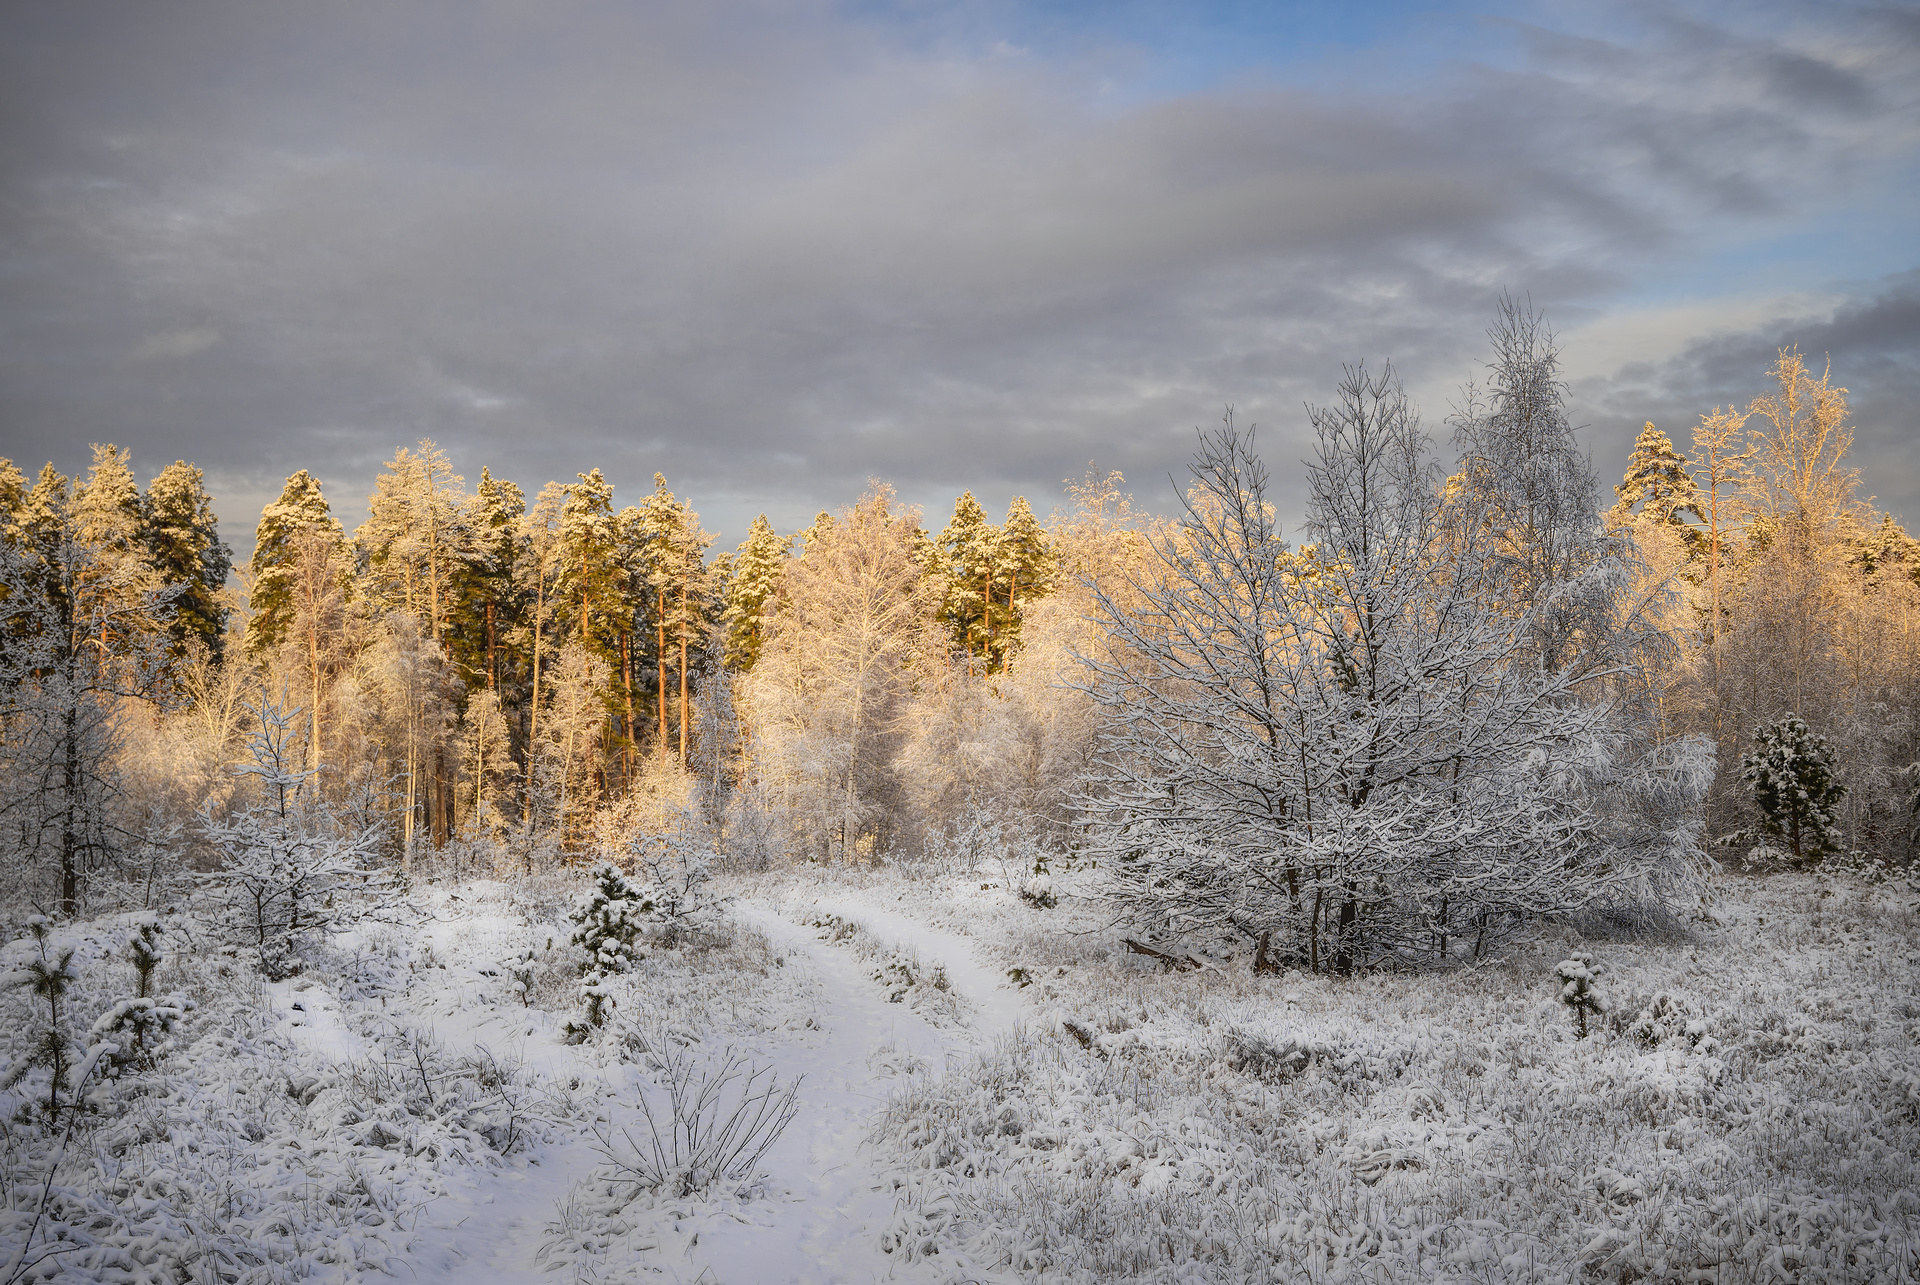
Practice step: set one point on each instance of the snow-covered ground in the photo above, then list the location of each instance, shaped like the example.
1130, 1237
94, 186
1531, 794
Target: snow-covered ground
989, 1090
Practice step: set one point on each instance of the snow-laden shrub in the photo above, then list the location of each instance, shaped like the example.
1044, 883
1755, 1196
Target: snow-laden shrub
47, 972
521, 968
411, 1095
674, 869
1790, 774
1037, 891
716, 1123
607, 925
1668, 1020
133, 1033
290, 867
1268, 1059
608, 919
979, 839
1579, 978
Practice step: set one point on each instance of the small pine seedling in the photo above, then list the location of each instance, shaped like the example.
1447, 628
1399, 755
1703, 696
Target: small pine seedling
1579, 990
49, 976
145, 952
520, 968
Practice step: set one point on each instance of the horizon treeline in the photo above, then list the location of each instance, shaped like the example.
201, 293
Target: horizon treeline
500, 681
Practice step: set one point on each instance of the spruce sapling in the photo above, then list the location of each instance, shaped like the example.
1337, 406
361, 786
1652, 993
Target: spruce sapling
1579, 990
1791, 777
608, 920
145, 952
48, 975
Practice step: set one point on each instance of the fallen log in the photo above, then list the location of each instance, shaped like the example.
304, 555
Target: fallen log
1178, 963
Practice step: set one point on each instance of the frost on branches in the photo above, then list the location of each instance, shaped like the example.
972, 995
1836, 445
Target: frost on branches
1791, 776
289, 868
1375, 747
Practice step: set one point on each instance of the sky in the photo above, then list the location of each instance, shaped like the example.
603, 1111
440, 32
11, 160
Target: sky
773, 250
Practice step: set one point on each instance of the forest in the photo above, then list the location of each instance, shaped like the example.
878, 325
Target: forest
1480, 705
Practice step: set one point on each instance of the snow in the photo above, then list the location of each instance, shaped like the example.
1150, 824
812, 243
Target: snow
1746, 1104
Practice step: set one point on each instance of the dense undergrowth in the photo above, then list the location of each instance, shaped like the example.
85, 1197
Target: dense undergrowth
1748, 1109
1745, 1106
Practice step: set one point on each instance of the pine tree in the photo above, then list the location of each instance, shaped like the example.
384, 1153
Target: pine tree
1024, 562
590, 564
107, 518
968, 547
80, 651
13, 490
675, 553
1658, 481
822, 525
486, 597
756, 571
607, 925
300, 511
413, 537
1790, 774
182, 539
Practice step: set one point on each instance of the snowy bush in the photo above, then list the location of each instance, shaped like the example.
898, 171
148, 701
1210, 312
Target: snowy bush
675, 871
711, 1132
1579, 978
1389, 743
607, 924
135, 1032
1790, 774
286, 869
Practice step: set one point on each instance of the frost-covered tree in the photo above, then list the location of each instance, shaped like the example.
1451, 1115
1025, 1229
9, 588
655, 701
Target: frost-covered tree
757, 566
567, 751
828, 704
301, 510
1658, 482
540, 571
1355, 746
414, 538
1790, 774
675, 870
410, 695
487, 763
80, 647
183, 544
288, 866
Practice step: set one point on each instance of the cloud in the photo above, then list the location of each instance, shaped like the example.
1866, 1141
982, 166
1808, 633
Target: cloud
774, 250
175, 344
1873, 342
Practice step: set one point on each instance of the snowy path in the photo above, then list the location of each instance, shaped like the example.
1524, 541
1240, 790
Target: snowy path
826, 1203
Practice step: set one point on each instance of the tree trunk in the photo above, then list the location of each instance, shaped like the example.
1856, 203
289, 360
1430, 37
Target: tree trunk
683, 676
660, 672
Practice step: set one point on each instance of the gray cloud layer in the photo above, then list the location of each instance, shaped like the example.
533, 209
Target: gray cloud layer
772, 251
